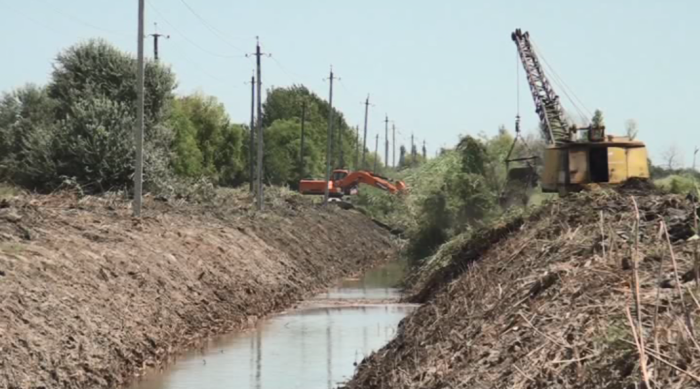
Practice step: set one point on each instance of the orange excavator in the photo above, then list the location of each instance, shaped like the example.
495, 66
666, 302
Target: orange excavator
345, 182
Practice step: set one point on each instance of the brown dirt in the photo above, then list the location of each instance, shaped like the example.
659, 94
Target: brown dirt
90, 297
545, 306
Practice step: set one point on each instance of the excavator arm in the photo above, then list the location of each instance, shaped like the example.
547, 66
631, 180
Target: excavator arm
367, 178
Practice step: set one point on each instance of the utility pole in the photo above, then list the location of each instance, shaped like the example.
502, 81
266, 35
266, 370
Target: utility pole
413, 149
364, 139
357, 148
301, 151
341, 163
259, 179
393, 145
386, 139
425, 151
376, 154
329, 138
156, 37
251, 149
138, 134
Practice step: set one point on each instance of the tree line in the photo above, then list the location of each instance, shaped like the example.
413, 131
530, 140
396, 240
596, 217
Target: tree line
79, 128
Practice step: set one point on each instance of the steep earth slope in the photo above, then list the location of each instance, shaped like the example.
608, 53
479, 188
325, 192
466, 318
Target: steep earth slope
90, 297
552, 303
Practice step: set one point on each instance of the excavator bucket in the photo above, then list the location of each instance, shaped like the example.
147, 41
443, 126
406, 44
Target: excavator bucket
520, 183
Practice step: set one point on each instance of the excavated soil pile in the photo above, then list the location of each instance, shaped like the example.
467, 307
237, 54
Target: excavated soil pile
554, 305
90, 297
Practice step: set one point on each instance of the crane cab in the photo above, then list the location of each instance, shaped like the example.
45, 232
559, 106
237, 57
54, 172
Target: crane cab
575, 166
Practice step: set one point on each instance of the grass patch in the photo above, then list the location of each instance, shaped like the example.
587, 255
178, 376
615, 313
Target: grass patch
8, 191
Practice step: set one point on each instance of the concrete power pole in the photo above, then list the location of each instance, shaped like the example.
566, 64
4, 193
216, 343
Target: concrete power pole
301, 151
364, 139
393, 145
329, 139
251, 150
341, 163
138, 133
386, 141
413, 149
376, 154
156, 37
357, 148
259, 179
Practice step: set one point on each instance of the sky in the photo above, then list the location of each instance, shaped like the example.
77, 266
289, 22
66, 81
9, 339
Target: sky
439, 69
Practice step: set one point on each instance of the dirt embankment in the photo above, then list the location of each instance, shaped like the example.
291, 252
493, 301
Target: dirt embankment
89, 297
553, 304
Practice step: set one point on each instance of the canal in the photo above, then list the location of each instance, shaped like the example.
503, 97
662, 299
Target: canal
314, 346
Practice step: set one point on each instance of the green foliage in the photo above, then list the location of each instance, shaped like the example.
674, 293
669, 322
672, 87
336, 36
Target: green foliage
678, 183
80, 127
206, 143
282, 145
598, 120
284, 105
27, 130
432, 232
449, 195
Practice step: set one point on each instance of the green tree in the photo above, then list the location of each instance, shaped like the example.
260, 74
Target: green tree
26, 135
206, 142
81, 125
598, 120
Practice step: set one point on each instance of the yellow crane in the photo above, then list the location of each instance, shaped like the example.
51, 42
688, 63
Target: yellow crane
576, 158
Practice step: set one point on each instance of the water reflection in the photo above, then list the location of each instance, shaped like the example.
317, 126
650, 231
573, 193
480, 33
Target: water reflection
313, 347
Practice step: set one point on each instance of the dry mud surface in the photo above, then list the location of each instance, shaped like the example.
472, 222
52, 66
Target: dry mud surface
553, 303
90, 297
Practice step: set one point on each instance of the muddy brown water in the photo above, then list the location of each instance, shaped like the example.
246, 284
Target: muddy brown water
313, 346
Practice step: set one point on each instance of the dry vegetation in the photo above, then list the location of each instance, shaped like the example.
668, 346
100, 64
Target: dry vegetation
597, 291
90, 297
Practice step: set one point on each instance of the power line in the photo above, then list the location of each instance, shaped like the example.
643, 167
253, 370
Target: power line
564, 86
210, 27
183, 35
83, 22
38, 23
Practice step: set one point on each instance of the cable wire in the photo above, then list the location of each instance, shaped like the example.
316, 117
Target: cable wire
211, 27
564, 86
83, 22
38, 23
193, 43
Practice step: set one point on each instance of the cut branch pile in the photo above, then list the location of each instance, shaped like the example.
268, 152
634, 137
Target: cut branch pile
599, 290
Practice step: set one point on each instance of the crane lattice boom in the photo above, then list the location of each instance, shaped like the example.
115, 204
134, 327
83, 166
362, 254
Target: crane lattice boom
546, 100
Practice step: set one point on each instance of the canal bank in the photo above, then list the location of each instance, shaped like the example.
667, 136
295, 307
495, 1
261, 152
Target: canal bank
316, 345
92, 298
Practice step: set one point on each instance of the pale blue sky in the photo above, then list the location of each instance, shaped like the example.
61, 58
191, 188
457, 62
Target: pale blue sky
439, 68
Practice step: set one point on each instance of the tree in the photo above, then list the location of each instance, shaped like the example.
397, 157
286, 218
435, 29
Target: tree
26, 134
206, 142
631, 129
597, 121
673, 157
80, 127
